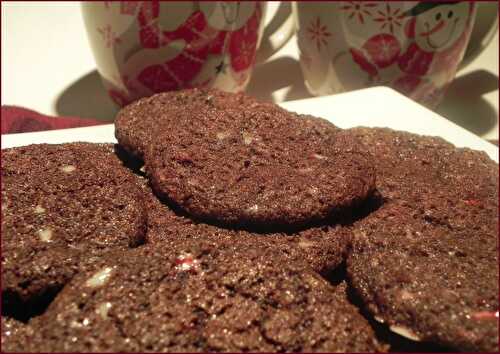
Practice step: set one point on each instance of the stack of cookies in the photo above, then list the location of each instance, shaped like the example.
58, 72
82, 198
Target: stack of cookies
220, 223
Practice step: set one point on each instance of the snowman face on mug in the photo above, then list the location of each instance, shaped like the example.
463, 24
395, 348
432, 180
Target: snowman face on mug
227, 15
441, 26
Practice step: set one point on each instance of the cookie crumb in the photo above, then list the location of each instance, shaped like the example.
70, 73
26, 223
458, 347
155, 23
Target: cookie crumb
405, 332
406, 295
222, 135
103, 309
247, 138
45, 234
39, 209
320, 157
253, 208
100, 278
305, 244
67, 168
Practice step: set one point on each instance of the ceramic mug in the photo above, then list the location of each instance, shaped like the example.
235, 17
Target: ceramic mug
413, 47
145, 47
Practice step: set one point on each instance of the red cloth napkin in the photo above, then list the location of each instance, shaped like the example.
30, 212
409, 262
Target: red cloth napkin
23, 120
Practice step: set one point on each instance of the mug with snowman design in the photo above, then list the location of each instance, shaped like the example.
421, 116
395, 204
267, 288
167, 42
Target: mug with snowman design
413, 47
145, 47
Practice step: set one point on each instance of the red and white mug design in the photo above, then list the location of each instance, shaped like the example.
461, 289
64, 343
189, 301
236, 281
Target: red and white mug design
414, 47
145, 47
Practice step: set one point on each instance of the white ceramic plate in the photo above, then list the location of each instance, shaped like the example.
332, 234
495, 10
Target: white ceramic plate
373, 107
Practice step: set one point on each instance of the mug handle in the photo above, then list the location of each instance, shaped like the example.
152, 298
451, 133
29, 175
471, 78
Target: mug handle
482, 33
276, 33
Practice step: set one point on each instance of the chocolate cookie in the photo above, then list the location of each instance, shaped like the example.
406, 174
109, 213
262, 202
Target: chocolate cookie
323, 248
262, 168
138, 123
426, 261
62, 207
197, 297
444, 183
407, 161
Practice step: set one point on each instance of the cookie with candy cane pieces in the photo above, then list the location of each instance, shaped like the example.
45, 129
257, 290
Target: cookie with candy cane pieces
63, 206
426, 261
263, 168
197, 297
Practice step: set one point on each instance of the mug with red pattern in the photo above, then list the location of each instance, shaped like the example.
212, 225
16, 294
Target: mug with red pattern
145, 47
413, 47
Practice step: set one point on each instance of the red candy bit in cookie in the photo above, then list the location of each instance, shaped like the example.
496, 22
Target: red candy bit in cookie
472, 202
485, 315
186, 263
